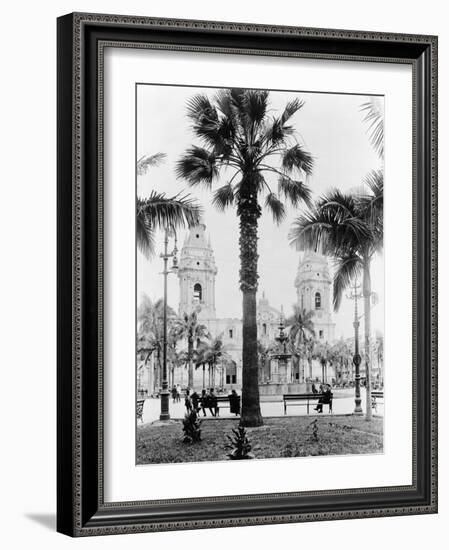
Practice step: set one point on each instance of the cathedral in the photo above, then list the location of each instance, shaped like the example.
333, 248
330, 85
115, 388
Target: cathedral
197, 273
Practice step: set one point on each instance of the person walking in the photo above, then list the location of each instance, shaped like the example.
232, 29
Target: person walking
213, 403
188, 401
204, 401
234, 403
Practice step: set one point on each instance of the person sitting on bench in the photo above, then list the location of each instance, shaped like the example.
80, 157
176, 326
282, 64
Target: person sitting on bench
326, 399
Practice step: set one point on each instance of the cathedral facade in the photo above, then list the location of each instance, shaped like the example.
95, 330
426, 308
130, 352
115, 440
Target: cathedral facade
197, 274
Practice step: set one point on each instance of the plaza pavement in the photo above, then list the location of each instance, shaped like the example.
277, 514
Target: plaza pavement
343, 403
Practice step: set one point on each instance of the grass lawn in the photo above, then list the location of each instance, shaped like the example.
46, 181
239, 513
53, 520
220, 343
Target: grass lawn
278, 437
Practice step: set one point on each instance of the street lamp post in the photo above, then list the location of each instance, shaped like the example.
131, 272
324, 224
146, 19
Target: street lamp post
165, 415
357, 359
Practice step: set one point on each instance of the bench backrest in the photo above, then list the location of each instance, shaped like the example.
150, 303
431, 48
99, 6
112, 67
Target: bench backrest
377, 394
302, 396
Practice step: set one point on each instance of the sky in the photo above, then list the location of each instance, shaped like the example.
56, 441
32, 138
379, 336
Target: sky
329, 126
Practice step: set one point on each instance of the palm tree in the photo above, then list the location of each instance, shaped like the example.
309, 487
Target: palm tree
202, 359
301, 327
263, 353
348, 227
322, 352
150, 328
190, 328
160, 211
309, 347
247, 145
341, 352
215, 353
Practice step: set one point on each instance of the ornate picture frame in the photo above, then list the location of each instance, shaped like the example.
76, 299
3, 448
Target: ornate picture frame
81, 507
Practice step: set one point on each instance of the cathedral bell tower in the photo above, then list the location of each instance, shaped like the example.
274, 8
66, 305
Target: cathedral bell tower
197, 271
313, 288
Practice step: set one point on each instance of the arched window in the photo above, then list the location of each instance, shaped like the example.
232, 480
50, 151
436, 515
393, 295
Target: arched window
197, 292
264, 328
317, 300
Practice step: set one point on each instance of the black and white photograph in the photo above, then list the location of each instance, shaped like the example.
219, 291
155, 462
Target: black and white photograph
259, 274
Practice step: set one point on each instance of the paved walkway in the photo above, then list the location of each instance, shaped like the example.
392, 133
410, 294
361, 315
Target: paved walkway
343, 403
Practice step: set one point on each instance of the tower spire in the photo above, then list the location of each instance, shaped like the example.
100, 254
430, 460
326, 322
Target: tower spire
314, 287
197, 272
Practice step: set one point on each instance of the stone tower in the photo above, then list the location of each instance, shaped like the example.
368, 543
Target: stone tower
313, 288
197, 271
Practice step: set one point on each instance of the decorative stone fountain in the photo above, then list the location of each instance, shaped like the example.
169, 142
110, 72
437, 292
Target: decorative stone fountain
281, 363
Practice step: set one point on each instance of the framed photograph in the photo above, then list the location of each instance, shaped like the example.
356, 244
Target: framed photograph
247, 274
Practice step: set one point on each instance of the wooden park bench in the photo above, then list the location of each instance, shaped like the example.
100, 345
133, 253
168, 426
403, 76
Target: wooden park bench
376, 395
298, 399
223, 401
139, 409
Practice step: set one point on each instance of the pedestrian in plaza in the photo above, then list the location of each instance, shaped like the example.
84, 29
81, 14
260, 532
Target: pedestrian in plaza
195, 399
173, 393
234, 403
178, 393
204, 401
188, 401
213, 403
326, 399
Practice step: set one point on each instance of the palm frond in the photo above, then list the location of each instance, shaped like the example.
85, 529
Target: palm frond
197, 166
295, 191
291, 108
149, 160
371, 204
374, 180
201, 110
347, 269
310, 230
374, 116
277, 132
255, 104
301, 324
275, 206
160, 211
223, 197
297, 157
144, 233
333, 226
223, 101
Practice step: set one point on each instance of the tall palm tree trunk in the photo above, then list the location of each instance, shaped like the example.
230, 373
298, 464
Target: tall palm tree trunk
249, 212
367, 308
190, 353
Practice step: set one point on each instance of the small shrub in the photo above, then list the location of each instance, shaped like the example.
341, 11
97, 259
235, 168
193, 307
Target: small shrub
314, 425
293, 451
191, 426
240, 445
